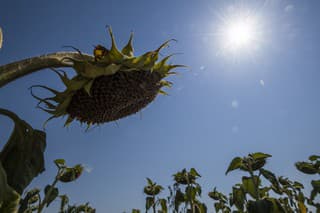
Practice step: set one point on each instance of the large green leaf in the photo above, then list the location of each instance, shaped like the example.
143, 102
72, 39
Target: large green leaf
259, 155
249, 185
236, 163
22, 157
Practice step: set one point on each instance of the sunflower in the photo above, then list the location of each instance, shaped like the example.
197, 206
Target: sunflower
112, 85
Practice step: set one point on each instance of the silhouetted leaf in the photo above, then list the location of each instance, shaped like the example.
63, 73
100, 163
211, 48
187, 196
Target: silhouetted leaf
54, 192
22, 156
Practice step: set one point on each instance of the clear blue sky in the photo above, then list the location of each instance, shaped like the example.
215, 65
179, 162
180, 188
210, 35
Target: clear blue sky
197, 125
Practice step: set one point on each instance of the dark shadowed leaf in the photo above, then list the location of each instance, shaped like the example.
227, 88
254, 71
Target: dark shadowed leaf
307, 168
149, 202
238, 197
51, 194
22, 157
261, 206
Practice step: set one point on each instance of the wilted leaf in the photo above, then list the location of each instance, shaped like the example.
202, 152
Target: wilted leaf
22, 156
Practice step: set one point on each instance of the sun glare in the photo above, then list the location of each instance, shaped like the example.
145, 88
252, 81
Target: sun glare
239, 32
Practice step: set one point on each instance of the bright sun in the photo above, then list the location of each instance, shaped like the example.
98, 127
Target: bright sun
239, 33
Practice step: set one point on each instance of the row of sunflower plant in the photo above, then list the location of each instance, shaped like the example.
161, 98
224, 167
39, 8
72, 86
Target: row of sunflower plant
259, 191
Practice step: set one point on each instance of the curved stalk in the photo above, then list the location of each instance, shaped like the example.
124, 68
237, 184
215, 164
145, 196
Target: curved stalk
15, 70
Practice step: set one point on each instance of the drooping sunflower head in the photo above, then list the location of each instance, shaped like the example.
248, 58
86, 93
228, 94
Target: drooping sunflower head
113, 85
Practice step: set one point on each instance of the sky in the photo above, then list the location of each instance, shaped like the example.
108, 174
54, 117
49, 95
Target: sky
260, 98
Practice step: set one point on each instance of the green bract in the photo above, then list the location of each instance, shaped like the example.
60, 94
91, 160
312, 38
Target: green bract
111, 86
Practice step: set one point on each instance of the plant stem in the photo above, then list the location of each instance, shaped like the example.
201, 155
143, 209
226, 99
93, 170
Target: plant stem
154, 204
15, 70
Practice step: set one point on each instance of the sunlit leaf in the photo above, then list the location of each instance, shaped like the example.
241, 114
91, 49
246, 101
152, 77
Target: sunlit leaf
248, 184
236, 163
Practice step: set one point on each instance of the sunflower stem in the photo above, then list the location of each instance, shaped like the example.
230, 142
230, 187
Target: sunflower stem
15, 70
